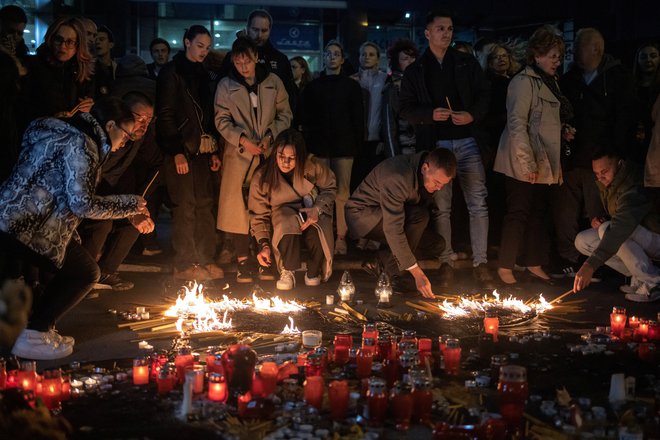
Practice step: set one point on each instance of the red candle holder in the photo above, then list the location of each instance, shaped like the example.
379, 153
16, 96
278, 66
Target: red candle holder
218, 390
513, 392
442, 342
370, 331
242, 403
409, 336
198, 373
643, 329
654, 331
618, 321
646, 351
364, 360
183, 359
313, 365
338, 394
401, 403
376, 402
51, 393
314, 387
452, 355
385, 347
269, 372
492, 324
3, 374
140, 371
633, 322
27, 376
369, 344
166, 378
66, 387
422, 397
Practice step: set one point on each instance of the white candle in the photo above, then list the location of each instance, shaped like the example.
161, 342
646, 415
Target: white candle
311, 338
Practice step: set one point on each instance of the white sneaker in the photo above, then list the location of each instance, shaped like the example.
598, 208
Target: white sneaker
56, 336
341, 248
645, 293
313, 281
41, 346
287, 280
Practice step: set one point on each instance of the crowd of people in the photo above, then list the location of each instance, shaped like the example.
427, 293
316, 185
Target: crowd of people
562, 169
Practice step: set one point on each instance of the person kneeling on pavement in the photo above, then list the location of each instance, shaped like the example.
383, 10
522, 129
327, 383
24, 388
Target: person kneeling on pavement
49, 192
291, 198
630, 239
392, 205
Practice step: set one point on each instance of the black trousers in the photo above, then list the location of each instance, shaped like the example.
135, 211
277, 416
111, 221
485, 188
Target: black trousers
108, 241
290, 248
524, 231
416, 220
66, 286
193, 229
577, 197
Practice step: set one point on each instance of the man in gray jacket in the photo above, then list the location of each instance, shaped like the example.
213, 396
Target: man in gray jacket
392, 205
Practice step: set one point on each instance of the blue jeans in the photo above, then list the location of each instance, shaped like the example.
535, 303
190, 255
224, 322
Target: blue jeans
472, 178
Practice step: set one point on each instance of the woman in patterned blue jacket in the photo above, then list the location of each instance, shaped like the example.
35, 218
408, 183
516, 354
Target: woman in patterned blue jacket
42, 202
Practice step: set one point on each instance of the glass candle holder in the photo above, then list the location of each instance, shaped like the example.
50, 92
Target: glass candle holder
346, 289
513, 391
633, 322
243, 401
422, 398
492, 324
442, 343
376, 402
643, 329
342, 344
654, 331
157, 362
166, 378
338, 394
66, 387
140, 371
452, 356
364, 361
269, 372
239, 362
198, 382
618, 320
370, 330
218, 390
409, 336
183, 359
52, 389
369, 344
312, 338
314, 387
27, 376
401, 403
384, 348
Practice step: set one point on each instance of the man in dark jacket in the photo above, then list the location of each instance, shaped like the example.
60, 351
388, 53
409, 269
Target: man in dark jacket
443, 94
601, 92
630, 239
392, 205
259, 25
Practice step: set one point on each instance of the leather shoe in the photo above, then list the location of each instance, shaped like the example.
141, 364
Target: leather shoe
446, 275
373, 267
403, 284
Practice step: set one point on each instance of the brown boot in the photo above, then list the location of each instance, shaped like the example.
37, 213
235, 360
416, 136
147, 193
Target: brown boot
192, 273
215, 271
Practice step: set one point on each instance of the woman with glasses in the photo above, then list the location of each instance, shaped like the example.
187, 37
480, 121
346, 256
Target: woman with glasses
60, 76
51, 189
529, 155
251, 109
187, 135
291, 201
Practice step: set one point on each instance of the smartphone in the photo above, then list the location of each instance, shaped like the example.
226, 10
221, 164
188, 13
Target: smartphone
302, 216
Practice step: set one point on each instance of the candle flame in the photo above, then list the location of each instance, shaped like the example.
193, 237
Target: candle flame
464, 307
290, 330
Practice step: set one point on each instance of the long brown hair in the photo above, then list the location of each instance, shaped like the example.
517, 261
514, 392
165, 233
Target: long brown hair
84, 58
271, 173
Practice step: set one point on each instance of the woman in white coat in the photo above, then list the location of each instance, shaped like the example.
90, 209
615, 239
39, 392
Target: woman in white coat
251, 109
529, 154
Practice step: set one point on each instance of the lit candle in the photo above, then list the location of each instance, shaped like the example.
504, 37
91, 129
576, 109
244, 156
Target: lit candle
27, 376
346, 288
311, 338
654, 331
89, 383
66, 387
243, 402
121, 376
329, 300
218, 388
166, 379
140, 310
269, 372
198, 382
181, 361
52, 389
633, 322
492, 324
643, 329
618, 320
452, 356
140, 371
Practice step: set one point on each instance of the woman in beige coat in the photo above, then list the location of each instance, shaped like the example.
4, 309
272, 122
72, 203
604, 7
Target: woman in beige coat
529, 154
291, 200
251, 108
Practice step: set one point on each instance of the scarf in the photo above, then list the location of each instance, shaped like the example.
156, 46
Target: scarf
565, 108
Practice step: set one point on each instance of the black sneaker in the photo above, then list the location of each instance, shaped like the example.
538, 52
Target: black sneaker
446, 275
115, 283
266, 273
483, 276
244, 272
565, 269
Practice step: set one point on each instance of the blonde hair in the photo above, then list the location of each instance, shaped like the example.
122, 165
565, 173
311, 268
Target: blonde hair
84, 58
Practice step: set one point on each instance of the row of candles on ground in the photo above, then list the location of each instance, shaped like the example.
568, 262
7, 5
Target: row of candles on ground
53, 386
346, 290
638, 329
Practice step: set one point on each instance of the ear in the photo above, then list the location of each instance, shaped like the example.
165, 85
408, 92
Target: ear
110, 125
427, 34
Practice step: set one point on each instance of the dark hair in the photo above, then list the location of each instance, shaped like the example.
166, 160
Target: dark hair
405, 46
431, 16
133, 98
636, 71
260, 13
602, 152
106, 30
111, 108
12, 14
244, 46
464, 46
271, 172
307, 75
442, 158
194, 30
542, 41
335, 43
159, 40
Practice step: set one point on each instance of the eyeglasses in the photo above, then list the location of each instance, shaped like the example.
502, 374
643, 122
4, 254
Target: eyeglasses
285, 159
143, 119
128, 134
69, 44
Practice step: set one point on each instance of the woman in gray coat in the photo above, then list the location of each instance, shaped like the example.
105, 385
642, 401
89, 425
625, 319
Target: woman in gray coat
529, 154
251, 109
